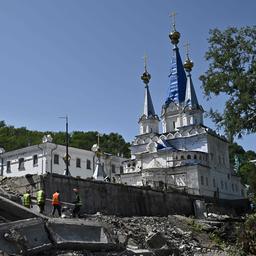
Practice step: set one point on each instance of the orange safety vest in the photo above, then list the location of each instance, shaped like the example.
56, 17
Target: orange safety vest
55, 199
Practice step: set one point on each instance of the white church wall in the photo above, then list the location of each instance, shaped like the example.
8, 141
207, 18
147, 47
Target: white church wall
218, 154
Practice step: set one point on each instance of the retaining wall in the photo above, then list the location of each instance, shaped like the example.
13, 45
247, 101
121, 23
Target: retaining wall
118, 199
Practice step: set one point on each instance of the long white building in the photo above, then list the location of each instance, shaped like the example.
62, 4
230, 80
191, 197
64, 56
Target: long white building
49, 158
187, 155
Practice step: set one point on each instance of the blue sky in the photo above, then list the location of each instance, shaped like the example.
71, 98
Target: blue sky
84, 58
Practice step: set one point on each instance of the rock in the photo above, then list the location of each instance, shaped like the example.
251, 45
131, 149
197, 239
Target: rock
131, 244
122, 238
156, 241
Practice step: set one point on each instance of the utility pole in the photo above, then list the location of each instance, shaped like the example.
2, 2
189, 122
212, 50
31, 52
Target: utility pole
66, 157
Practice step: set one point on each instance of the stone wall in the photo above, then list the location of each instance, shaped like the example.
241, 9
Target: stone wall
118, 199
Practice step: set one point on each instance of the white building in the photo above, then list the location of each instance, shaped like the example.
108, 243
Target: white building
48, 158
187, 155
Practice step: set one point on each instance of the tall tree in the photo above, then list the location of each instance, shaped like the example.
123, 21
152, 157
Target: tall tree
232, 72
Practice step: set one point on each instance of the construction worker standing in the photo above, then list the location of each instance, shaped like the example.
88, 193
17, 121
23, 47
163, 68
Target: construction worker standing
56, 203
40, 198
27, 199
78, 203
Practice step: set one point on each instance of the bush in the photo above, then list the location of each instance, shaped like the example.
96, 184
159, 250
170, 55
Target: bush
247, 237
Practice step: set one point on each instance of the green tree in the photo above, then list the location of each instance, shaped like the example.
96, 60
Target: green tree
247, 173
12, 138
232, 72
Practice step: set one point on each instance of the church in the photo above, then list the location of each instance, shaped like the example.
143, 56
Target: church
187, 156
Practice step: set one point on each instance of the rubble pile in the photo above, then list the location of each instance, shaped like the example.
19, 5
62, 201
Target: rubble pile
106, 235
172, 235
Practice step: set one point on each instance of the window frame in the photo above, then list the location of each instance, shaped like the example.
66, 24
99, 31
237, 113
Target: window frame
56, 157
35, 160
78, 162
21, 162
88, 164
8, 166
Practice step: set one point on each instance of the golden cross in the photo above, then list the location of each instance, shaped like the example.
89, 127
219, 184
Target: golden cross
145, 62
187, 48
173, 16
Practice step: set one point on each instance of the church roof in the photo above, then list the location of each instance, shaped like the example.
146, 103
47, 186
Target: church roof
149, 110
190, 97
177, 86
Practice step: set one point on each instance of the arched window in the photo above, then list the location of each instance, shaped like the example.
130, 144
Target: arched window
195, 156
181, 157
189, 157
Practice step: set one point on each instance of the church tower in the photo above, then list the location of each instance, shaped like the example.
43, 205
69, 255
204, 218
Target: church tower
192, 112
149, 121
172, 109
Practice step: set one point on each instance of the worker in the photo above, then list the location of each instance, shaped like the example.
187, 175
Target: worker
56, 203
27, 199
78, 203
40, 198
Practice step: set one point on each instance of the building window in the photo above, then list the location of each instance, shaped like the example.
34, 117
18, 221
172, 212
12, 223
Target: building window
202, 180
35, 160
182, 157
21, 164
236, 187
189, 157
121, 169
232, 187
88, 164
195, 156
221, 184
78, 163
56, 159
8, 166
173, 123
226, 185
214, 184
113, 168
206, 181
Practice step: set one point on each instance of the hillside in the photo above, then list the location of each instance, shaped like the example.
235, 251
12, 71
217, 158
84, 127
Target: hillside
12, 138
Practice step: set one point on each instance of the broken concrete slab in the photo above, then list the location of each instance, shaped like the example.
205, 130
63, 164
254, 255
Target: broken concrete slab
140, 252
13, 211
81, 234
24, 237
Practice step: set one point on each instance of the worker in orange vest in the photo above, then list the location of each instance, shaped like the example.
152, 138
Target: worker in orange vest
56, 203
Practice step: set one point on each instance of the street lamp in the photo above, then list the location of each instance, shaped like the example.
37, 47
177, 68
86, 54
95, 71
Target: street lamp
2, 160
66, 157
